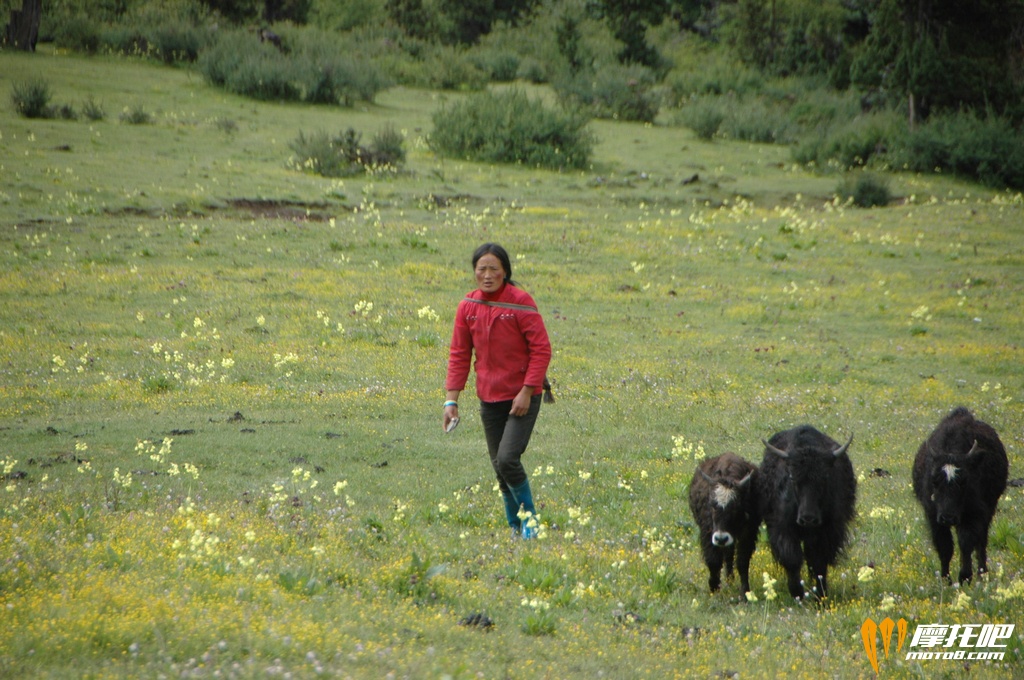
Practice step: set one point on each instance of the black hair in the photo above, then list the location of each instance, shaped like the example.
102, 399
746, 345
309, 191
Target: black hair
498, 252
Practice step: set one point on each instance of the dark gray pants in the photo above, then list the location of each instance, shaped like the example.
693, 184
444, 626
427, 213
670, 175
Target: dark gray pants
507, 437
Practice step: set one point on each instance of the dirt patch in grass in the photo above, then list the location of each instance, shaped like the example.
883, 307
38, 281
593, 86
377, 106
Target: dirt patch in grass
295, 211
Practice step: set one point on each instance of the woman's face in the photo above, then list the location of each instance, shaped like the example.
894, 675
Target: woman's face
490, 275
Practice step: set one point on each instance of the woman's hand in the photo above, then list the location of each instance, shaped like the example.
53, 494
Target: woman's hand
450, 413
521, 404
451, 408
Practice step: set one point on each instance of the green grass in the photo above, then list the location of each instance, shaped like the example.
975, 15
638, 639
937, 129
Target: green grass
157, 280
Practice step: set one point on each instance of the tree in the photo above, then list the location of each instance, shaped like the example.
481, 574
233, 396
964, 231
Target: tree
473, 18
569, 38
286, 10
23, 28
629, 21
411, 16
943, 55
239, 11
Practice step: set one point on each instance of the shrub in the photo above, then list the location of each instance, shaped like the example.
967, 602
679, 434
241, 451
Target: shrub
344, 156
757, 121
136, 115
240, 63
811, 104
338, 80
226, 125
451, 68
866, 190
93, 110
311, 66
704, 116
532, 70
711, 74
32, 99
848, 145
501, 65
127, 40
511, 128
387, 147
64, 112
617, 92
80, 33
989, 150
319, 153
173, 43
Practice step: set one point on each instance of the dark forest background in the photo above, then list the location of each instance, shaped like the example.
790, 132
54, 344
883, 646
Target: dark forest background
906, 84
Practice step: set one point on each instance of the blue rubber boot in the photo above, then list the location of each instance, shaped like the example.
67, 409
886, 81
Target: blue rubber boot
512, 511
526, 511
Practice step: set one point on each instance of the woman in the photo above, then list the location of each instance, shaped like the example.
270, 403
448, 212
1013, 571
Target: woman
501, 324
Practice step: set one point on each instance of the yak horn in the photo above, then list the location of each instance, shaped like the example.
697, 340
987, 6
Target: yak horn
974, 449
776, 451
706, 478
745, 479
842, 449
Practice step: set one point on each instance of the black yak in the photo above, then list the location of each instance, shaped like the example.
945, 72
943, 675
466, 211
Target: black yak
959, 474
723, 501
807, 495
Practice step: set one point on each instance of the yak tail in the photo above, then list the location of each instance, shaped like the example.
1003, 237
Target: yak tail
549, 398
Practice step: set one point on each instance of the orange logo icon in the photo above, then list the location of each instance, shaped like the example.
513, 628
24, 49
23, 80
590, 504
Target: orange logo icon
869, 631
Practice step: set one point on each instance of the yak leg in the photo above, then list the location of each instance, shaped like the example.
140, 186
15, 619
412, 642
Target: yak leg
982, 548
817, 566
729, 552
818, 572
713, 560
971, 539
793, 580
744, 550
942, 539
790, 555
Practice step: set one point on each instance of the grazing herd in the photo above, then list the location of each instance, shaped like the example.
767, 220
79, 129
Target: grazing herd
805, 492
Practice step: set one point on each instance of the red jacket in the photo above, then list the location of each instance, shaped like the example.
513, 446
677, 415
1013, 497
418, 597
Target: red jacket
507, 333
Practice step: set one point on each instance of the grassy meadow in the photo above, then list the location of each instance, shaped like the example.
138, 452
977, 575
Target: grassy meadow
221, 386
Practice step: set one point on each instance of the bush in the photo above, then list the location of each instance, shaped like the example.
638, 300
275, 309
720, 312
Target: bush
812, 104
240, 63
848, 145
757, 121
319, 153
866, 190
64, 112
136, 115
226, 125
127, 40
343, 156
704, 116
93, 110
989, 150
79, 33
387, 147
32, 99
511, 128
171, 43
711, 74
170, 30
532, 70
615, 92
311, 67
501, 65
451, 68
